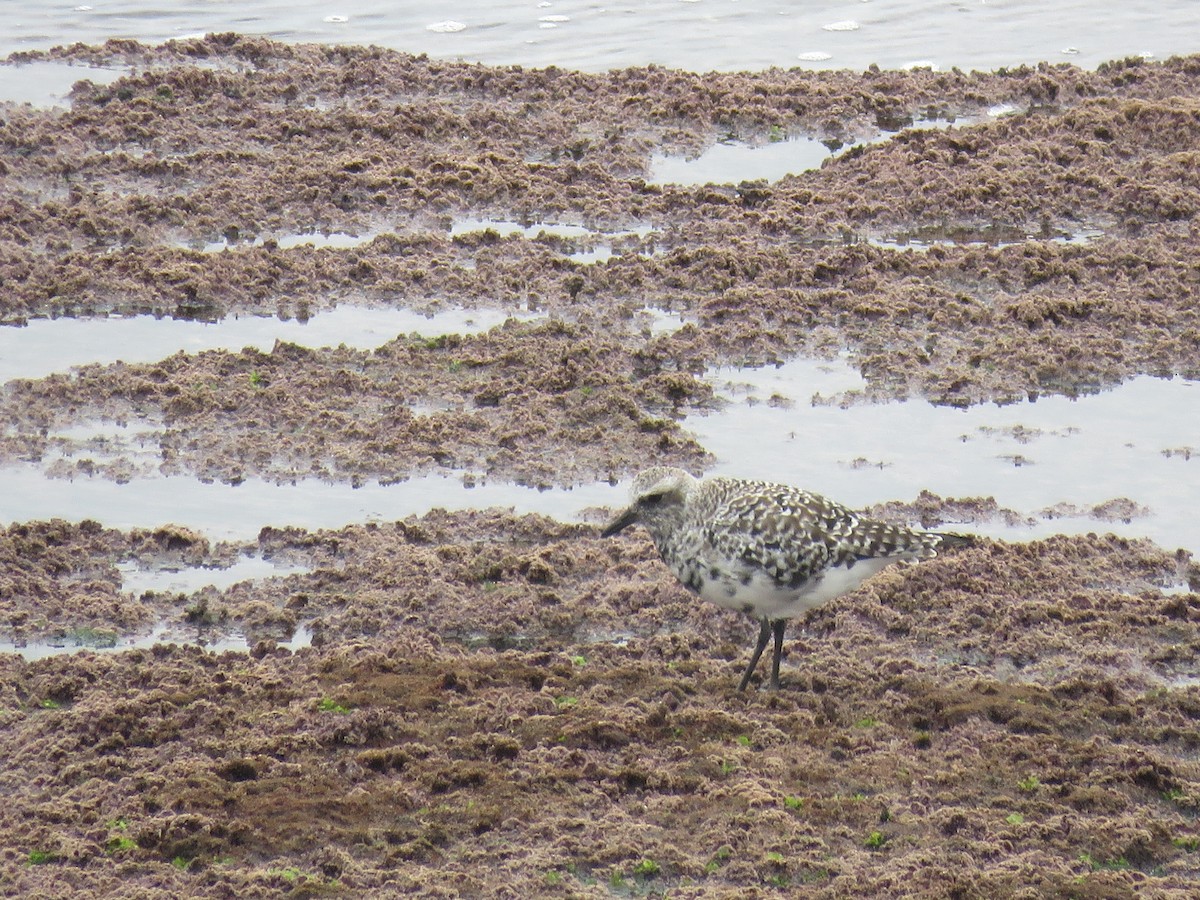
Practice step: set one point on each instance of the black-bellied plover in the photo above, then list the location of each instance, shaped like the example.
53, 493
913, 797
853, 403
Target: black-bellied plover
769, 550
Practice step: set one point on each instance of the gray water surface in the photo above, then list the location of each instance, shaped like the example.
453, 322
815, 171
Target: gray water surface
239, 512
162, 633
811, 426
43, 346
705, 35
1053, 462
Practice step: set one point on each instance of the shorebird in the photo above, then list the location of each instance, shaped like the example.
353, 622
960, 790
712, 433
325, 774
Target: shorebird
771, 551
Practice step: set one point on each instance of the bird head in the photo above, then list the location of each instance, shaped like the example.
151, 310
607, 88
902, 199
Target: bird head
657, 497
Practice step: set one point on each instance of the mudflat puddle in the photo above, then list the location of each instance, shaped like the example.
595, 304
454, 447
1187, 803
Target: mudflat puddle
103, 640
189, 579
44, 346
1054, 460
183, 580
922, 240
1122, 460
733, 161
594, 245
334, 240
48, 83
239, 512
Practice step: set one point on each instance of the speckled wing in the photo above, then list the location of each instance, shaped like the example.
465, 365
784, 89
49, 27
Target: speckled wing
793, 535
788, 533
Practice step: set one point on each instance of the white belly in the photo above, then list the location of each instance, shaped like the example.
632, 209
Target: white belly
761, 596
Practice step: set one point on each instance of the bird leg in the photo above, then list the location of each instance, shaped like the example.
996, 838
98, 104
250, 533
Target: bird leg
764, 635
777, 627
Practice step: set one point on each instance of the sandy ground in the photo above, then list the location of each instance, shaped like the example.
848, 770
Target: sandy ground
501, 706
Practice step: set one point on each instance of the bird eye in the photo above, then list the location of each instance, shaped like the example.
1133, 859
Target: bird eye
652, 499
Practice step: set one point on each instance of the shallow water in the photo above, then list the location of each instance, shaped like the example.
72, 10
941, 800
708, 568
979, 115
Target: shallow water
733, 161
725, 35
48, 83
1051, 461
1136, 441
596, 246
505, 227
239, 512
44, 346
335, 240
102, 641
921, 241
1139, 441
189, 579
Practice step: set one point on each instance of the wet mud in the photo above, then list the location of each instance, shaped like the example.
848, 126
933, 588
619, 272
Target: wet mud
244, 140
504, 706
500, 706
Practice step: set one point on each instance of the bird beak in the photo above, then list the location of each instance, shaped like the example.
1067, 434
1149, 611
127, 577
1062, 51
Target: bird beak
620, 523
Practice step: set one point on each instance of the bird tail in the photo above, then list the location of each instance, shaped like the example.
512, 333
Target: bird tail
950, 539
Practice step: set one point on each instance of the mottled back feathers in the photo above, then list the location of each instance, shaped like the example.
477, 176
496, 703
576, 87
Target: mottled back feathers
721, 533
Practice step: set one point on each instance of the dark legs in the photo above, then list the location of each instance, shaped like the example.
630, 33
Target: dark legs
777, 627
764, 635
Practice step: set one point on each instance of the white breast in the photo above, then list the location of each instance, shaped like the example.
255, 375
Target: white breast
761, 596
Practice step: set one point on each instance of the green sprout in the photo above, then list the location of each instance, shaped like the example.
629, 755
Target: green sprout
647, 868
1110, 865
722, 856
119, 844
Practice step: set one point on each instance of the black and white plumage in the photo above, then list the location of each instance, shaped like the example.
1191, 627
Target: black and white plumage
769, 550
